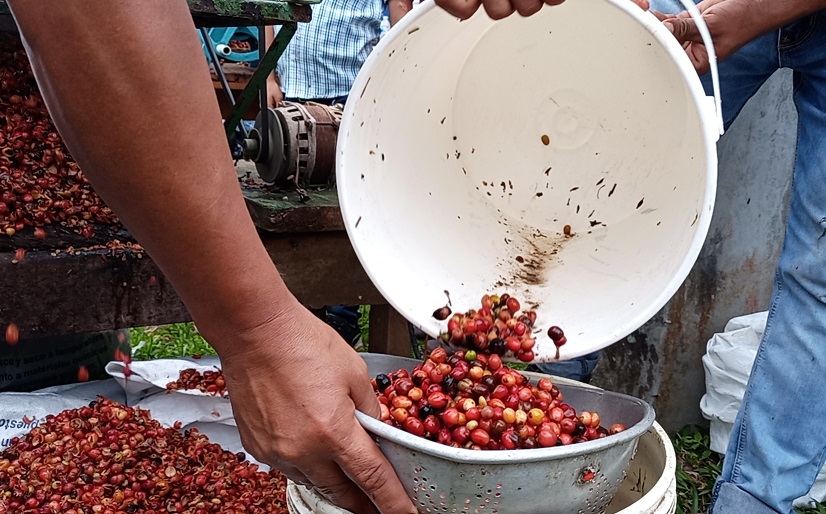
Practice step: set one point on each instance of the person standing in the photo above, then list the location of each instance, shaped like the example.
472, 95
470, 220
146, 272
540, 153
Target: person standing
325, 55
778, 444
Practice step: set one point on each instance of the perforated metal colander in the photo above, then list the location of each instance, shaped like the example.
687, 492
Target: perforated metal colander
579, 478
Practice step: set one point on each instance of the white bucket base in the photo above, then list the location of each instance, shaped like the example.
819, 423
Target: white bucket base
650, 487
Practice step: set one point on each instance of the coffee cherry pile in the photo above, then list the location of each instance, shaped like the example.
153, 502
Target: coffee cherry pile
211, 382
111, 459
498, 327
39, 180
471, 400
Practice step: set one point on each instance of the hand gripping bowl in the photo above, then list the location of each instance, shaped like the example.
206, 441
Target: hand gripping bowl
466, 148
579, 478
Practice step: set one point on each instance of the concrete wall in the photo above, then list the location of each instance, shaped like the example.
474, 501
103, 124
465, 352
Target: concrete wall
734, 274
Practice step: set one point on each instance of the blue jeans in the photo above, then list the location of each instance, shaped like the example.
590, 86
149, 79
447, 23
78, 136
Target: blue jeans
579, 369
779, 442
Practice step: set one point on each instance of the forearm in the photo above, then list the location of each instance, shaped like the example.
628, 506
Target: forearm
398, 8
770, 15
145, 128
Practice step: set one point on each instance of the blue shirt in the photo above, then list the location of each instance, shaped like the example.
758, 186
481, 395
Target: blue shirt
326, 54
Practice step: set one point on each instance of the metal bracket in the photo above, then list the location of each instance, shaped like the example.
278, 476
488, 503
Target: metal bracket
219, 71
264, 143
259, 77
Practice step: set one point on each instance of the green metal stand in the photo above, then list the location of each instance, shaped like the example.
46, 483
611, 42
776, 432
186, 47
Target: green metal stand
259, 77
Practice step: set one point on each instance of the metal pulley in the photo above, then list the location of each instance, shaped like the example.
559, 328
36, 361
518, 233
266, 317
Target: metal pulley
295, 143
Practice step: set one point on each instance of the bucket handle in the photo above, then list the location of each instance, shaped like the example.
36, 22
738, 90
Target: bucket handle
695, 14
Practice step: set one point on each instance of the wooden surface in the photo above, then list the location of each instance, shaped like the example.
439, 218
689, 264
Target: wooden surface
237, 13
85, 290
237, 75
389, 332
284, 213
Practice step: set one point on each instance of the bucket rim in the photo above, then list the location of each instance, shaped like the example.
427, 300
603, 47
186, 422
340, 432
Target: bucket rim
498, 457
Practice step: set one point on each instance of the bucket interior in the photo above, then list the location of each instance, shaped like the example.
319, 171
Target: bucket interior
466, 148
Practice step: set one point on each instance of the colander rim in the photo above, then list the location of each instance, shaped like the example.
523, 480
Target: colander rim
382, 430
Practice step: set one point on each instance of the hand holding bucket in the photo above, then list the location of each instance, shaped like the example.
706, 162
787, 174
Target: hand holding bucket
567, 158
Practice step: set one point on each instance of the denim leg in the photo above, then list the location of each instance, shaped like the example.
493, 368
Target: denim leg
579, 369
742, 74
778, 443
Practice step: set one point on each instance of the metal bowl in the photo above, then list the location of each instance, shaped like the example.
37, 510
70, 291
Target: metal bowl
578, 478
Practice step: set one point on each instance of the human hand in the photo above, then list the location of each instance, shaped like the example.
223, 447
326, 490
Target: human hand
498, 9
274, 94
727, 22
732, 24
294, 386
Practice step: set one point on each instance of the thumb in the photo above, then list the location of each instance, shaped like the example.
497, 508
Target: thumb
364, 398
684, 29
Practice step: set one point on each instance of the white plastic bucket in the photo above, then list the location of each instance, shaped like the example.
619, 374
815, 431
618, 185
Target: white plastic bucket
650, 486
467, 147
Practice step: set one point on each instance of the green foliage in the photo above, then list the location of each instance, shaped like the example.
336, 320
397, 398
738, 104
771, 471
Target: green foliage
364, 327
697, 470
168, 341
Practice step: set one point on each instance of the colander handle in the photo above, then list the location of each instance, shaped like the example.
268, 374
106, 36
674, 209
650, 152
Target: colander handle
695, 14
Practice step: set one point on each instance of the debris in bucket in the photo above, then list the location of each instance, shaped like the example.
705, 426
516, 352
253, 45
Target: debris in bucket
498, 327
210, 382
473, 401
111, 458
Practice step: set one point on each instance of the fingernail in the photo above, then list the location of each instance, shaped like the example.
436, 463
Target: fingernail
670, 27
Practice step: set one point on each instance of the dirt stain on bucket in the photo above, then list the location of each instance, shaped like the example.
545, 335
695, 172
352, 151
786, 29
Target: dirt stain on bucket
535, 254
531, 270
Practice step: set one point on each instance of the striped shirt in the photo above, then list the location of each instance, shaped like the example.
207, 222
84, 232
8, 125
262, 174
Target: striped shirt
325, 55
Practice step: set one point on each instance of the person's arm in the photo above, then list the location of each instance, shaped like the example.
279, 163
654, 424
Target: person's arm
274, 94
134, 103
733, 23
398, 8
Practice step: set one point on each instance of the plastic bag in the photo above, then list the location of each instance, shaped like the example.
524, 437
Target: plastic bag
146, 386
21, 412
